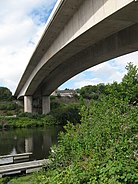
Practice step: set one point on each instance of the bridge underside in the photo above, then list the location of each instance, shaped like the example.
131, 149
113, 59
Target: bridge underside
123, 42
51, 66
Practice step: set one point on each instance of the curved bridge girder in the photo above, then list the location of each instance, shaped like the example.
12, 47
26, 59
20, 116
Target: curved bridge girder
123, 42
116, 45
113, 36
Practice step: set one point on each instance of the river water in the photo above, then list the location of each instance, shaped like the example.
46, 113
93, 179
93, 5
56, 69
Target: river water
36, 140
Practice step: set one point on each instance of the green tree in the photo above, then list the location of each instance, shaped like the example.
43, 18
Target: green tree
129, 84
92, 92
5, 93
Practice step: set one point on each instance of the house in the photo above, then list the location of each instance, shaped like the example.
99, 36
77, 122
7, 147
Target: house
65, 93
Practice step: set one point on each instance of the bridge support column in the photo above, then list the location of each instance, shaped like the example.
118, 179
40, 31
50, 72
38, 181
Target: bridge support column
45, 104
28, 104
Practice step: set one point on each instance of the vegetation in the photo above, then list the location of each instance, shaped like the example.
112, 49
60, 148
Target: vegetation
60, 116
5, 94
102, 149
92, 92
8, 106
126, 90
63, 110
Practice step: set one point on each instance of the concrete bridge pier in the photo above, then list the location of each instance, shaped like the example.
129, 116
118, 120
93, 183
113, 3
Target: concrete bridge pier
28, 104
45, 104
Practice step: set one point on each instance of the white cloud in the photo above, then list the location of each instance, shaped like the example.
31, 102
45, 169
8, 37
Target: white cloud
86, 82
21, 26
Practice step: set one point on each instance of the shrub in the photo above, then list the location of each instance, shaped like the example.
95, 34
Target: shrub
5, 94
100, 149
67, 113
50, 120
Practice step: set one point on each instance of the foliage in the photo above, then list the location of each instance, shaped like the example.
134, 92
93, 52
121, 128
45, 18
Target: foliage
30, 115
126, 90
5, 94
67, 113
23, 180
130, 84
101, 149
59, 116
4, 180
27, 122
92, 92
8, 106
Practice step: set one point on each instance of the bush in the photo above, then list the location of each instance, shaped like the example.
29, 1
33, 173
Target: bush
67, 113
100, 149
5, 94
8, 106
50, 120
30, 115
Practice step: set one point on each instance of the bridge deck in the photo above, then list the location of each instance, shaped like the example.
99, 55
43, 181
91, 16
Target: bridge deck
26, 167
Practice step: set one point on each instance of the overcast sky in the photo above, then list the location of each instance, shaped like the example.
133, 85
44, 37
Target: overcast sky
22, 23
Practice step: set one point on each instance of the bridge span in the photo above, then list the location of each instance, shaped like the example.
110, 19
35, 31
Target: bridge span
78, 35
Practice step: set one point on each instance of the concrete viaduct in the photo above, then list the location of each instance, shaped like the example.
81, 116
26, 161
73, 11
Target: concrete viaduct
79, 34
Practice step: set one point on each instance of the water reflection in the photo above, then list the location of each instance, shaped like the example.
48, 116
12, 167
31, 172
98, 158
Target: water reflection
38, 141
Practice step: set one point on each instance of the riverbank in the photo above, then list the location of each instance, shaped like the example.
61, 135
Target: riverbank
26, 122
59, 116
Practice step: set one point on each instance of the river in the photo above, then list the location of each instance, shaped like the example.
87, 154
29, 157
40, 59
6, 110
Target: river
36, 140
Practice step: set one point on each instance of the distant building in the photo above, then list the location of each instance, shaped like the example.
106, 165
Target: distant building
65, 93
